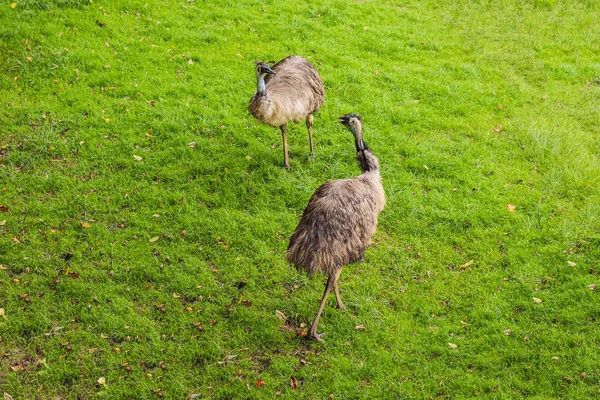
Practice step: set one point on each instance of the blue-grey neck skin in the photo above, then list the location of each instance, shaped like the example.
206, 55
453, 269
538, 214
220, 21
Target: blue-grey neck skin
261, 88
358, 140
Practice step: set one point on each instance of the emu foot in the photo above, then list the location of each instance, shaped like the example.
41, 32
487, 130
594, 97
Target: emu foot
316, 336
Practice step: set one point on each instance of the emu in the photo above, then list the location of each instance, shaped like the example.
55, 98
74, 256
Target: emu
339, 221
291, 91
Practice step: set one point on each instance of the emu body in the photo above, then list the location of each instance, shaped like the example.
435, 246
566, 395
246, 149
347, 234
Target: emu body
337, 225
290, 91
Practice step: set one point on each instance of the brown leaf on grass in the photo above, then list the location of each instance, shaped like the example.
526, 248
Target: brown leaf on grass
84, 224
280, 315
361, 326
508, 332
3, 222
193, 145
16, 367
537, 301
6, 395
293, 383
592, 286
571, 264
247, 303
16, 240
452, 345
498, 129
511, 207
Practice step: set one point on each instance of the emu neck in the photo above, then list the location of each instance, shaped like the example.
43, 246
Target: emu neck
367, 160
261, 88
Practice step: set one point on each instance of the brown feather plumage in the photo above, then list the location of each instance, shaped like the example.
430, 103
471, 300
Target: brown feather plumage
292, 91
337, 225
339, 221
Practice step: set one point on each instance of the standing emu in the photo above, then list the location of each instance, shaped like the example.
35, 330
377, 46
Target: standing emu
291, 91
339, 221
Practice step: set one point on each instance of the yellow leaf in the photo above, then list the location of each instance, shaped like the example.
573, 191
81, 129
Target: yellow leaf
154, 239
537, 301
467, 264
452, 345
511, 207
13, 5
3, 222
29, 59
571, 264
102, 380
137, 158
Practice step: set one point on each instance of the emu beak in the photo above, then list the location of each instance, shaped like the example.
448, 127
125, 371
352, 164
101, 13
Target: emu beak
344, 120
268, 70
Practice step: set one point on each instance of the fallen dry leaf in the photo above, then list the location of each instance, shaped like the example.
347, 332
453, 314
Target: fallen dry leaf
3, 222
537, 301
102, 380
467, 264
84, 224
260, 383
361, 326
592, 286
571, 264
508, 332
137, 158
248, 158
16, 367
3, 209
193, 145
12, 5
6, 395
511, 207
190, 61
154, 239
280, 315
452, 345
293, 383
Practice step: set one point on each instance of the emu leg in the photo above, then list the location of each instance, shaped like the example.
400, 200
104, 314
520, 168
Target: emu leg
312, 333
309, 125
336, 290
286, 161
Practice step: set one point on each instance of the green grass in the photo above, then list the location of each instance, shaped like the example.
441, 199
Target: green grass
470, 106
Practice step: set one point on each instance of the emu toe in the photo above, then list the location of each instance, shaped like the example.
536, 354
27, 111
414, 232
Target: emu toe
316, 336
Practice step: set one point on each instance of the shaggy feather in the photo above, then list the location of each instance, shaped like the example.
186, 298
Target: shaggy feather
293, 93
339, 221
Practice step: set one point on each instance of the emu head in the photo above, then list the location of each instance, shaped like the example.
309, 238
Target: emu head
353, 122
263, 68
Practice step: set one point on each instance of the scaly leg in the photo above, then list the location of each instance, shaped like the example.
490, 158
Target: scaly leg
336, 290
286, 161
309, 125
312, 333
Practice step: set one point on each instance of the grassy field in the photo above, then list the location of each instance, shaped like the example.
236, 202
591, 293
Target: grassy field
135, 266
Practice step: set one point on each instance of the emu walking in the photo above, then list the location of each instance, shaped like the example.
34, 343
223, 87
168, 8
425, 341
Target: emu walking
339, 221
291, 91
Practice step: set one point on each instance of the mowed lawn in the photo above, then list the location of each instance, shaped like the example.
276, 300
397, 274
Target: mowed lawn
135, 265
